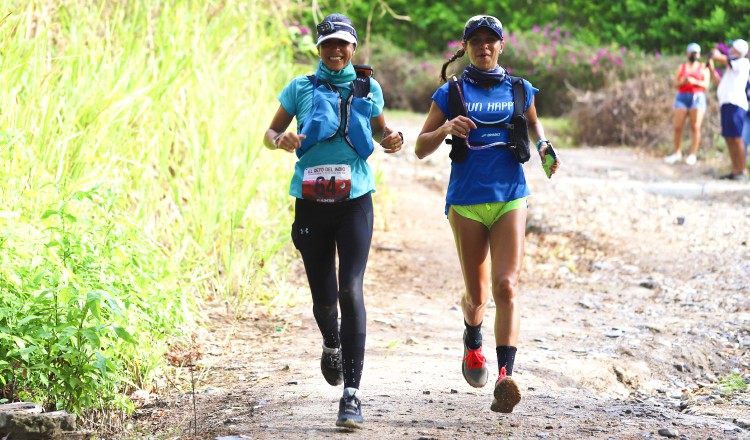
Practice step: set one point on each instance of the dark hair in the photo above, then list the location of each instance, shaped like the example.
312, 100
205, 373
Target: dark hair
459, 53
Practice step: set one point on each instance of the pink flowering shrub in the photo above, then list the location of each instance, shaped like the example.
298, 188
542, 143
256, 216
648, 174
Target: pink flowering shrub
555, 63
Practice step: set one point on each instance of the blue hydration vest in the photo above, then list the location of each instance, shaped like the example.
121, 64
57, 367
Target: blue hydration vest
325, 119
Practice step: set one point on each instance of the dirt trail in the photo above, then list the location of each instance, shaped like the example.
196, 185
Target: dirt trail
635, 305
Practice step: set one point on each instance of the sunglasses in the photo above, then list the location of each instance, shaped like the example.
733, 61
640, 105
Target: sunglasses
483, 20
486, 20
329, 27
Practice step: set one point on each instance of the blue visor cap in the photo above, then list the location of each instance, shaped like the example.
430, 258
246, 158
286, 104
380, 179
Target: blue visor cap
486, 21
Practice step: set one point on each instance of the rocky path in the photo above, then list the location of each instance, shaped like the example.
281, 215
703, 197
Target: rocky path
636, 306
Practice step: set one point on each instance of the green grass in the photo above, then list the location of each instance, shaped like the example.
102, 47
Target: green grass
131, 164
559, 131
732, 383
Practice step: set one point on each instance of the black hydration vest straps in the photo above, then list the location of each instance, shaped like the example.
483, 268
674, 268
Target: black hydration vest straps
519, 136
457, 106
520, 143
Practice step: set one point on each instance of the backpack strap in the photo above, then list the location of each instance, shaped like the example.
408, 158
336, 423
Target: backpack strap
361, 84
457, 107
519, 95
314, 80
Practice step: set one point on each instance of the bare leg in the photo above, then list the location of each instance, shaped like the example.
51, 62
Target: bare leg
507, 241
680, 115
696, 121
736, 154
472, 243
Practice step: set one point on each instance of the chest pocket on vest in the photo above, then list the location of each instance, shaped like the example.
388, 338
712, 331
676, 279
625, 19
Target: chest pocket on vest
358, 132
323, 121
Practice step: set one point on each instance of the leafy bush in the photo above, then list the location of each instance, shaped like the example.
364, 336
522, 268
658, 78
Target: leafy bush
149, 116
553, 61
82, 292
547, 57
408, 81
637, 24
637, 111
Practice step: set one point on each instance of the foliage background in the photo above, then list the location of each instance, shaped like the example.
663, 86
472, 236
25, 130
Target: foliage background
659, 25
132, 186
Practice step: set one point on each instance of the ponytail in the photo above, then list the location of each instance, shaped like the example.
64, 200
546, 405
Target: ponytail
459, 53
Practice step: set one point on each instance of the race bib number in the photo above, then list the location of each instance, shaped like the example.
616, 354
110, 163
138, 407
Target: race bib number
327, 183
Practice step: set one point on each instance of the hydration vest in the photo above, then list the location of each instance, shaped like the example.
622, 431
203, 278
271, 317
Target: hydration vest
325, 119
519, 131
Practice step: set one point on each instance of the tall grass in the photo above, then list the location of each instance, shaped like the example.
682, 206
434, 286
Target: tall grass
144, 118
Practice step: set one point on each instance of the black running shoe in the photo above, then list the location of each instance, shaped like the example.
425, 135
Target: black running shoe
330, 366
350, 410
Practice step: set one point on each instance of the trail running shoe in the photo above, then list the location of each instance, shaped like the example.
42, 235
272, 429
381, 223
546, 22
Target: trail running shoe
673, 158
507, 394
691, 159
330, 366
474, 366
350, 410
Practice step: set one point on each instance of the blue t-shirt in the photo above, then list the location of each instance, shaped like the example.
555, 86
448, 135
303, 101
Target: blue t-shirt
489, 174
296, 98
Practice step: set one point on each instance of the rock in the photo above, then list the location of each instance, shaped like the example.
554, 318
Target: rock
742, 423
588, 305
53, 425
603, 266
26, 407
668, 432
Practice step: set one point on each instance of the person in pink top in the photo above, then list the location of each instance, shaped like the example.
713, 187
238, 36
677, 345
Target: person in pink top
691, 81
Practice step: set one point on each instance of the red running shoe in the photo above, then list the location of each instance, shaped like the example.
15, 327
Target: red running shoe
474, 366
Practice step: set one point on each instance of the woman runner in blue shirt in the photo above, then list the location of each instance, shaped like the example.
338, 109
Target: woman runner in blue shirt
486, 200
332, 183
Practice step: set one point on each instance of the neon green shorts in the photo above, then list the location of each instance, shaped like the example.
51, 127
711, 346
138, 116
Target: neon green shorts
489, 213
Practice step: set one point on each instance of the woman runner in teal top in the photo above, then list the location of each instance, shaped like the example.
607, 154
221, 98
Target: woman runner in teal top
486, 200
332, 184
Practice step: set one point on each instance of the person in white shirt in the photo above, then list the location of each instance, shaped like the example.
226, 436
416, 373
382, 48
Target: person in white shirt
733, 102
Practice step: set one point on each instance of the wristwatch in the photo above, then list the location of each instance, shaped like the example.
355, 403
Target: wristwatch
539, 143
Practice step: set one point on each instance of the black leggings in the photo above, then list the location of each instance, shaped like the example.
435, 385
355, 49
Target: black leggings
320, 229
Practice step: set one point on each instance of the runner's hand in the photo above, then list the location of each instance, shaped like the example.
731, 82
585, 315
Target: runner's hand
289, 141
542, 151
459, 126
392, 141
